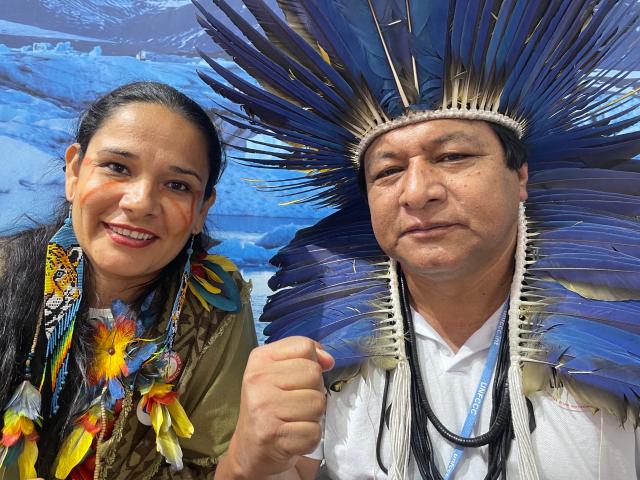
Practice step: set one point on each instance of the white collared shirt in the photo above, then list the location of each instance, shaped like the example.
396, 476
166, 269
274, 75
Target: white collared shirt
570, 442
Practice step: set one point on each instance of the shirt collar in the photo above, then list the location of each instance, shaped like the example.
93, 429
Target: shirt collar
480, 339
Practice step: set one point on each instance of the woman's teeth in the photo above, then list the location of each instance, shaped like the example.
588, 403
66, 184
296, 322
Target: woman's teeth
131, 234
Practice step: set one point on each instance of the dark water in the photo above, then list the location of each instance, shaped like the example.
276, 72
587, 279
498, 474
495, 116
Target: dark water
250, 228
259, 294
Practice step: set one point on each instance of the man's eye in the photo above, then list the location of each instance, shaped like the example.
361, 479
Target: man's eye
452, 157
387, 172
179, 186
116, 167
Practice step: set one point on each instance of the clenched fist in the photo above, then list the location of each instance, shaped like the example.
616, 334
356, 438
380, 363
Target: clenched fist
282, 403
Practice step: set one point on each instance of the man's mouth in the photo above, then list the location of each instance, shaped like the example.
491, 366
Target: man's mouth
430, 229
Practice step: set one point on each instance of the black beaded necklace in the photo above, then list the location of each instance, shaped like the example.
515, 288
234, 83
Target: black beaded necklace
500, 433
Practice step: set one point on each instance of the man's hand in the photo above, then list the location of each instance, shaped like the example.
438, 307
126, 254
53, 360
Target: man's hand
283, 400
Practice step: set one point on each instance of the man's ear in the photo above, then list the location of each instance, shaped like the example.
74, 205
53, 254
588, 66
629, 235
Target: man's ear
204, 210
523, 179
72, 170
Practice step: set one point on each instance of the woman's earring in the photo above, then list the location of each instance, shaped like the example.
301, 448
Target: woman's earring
179, 300
64, 275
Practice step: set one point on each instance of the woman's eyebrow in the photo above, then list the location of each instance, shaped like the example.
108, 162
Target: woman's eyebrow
185, 171
120, 153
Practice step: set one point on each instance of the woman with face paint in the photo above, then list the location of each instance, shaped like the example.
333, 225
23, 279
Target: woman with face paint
130, 364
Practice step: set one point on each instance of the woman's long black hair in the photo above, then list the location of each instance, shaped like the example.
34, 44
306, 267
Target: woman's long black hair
22, 265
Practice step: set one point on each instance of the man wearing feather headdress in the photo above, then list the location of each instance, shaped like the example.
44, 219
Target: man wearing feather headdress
481, 300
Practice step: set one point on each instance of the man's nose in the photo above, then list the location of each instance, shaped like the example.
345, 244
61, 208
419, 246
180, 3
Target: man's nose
422, 184
140, 198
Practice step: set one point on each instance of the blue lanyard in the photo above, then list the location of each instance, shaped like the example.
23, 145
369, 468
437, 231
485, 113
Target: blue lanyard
481, 391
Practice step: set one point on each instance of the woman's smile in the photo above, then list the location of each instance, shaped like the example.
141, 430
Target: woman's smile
129, 236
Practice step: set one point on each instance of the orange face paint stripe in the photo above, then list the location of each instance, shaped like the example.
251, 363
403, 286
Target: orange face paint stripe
101, 188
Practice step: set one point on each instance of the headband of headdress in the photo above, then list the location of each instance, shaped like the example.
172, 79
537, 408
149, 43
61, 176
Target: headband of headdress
330, 75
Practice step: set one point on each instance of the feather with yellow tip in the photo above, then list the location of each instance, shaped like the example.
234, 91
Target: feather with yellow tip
211, 283
169, 420
77, 444
19, 435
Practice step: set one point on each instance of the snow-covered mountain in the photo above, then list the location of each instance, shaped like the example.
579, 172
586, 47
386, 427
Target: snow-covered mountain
121, 27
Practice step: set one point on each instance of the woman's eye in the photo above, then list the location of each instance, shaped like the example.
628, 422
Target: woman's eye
116, 167
179, 186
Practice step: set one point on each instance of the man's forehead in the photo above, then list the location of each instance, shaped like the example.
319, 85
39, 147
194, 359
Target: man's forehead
430, 134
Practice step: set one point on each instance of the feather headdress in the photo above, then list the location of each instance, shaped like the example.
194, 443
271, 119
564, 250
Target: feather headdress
332, 75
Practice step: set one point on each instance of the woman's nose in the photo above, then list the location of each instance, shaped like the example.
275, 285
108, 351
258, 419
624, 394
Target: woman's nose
140, 198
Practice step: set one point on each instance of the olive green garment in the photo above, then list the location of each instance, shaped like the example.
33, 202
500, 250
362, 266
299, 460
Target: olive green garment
214, 347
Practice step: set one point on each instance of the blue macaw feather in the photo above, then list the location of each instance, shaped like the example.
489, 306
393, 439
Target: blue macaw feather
558, 258
428, 49
628, 206
317, 287
289, 132
268, 58
628, 393
314, 313
313, 76
310, 323
516, 32
515, 57
339, 266
599, 234
300, 19
614, 249
586, 343
587, 232
279, 133
542, 212
577, 195
279, 305
552, 27
116, 390
258, 101
327, 293
550, 222
554, 298
312, 244
301, 51
602, 180
601, 155
584, 356
300, 151
596, 251
623, 144
349, 349
320, 330
463, 29
606, 313
374, 67
339, 37
139, 355
497, 33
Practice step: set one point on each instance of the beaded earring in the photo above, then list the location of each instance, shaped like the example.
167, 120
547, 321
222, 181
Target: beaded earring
62, 295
